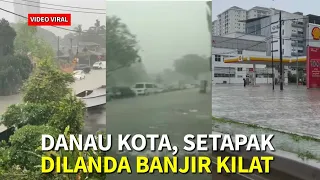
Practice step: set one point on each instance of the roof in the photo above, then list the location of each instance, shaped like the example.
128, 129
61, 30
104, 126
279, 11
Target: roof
260, 8
264, 60
233, 7
88, 44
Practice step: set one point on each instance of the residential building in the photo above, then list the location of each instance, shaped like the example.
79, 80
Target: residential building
258, 11
293, 34
23, 8
216, 28
229, 21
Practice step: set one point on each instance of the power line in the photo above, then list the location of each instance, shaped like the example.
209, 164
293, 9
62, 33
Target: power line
86, 12
27, 18
74, 7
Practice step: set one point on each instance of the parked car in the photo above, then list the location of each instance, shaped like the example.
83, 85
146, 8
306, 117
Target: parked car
79, 74
146, 88
84, 67
99, 65
121, 92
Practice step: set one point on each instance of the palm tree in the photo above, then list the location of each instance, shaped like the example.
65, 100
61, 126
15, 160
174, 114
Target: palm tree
78, 29
97, 25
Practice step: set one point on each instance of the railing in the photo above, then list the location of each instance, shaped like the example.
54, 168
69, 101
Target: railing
285, 165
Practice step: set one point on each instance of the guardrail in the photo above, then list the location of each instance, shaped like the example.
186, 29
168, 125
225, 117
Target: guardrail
285, 165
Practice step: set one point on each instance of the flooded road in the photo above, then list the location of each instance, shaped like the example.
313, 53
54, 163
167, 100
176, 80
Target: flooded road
296, 109
93, 80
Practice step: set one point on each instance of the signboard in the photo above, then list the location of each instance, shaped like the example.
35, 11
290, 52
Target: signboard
313, 35
313, 67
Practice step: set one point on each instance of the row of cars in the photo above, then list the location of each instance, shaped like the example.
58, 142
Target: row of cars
142, 89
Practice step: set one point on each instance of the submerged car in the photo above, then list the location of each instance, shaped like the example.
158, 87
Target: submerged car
99, 65
79, 74
121, 92
84, 67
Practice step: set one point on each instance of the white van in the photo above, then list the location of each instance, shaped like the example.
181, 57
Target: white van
99, 65
144, 88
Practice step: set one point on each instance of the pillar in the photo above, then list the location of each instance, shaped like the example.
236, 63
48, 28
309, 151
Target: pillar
254, 74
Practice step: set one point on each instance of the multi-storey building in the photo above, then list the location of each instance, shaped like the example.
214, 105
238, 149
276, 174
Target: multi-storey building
23, 8
229, 21
293, 34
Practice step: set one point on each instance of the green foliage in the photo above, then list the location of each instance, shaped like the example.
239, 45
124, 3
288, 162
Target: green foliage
47, 84
13, 71
7, 35
22, 114
192, 65
27, 138
69, 111
74, 155
122, 46
27, 41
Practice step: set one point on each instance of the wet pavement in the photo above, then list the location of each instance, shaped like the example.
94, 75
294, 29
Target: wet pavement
296, 109
173, 113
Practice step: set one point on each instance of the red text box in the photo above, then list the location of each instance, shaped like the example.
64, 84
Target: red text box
49, 19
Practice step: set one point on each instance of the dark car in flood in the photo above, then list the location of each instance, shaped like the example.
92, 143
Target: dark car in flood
121, 92
85, 68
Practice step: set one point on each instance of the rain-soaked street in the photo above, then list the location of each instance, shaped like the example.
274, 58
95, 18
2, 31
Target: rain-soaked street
296, 109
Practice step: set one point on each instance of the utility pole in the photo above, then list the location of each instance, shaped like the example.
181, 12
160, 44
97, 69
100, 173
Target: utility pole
297, 72
71, 52
58, 47
280, 41
272, 65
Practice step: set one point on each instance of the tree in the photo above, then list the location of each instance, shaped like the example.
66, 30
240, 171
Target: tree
13, 71
191, 65
122, 46
47, 84
7, 35
27, 41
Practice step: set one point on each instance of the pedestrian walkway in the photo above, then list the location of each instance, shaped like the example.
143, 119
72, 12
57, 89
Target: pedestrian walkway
296, 109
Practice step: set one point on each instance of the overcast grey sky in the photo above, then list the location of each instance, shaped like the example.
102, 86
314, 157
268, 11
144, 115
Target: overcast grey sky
307, 6
166, 30
86, 20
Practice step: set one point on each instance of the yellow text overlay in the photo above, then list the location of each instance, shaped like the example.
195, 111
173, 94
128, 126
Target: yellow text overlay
142, 165
233, 164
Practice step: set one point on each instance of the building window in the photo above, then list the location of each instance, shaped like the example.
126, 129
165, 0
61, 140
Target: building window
217, 58
239, 69
274, 41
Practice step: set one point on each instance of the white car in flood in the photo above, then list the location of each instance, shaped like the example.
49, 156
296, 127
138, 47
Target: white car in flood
79, 74
99, 65
146, 88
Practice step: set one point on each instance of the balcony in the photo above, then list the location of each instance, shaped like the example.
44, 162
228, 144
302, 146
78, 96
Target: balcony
295, 44
297, 24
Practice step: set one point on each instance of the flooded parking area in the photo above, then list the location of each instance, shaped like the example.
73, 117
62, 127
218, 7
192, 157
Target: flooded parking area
295, 109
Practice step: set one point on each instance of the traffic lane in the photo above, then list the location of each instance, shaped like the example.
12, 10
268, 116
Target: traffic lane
94, 79
173, 113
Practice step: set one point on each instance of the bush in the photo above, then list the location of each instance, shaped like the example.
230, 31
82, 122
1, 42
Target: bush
70, 111
47, 84
19, 115
28, 139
